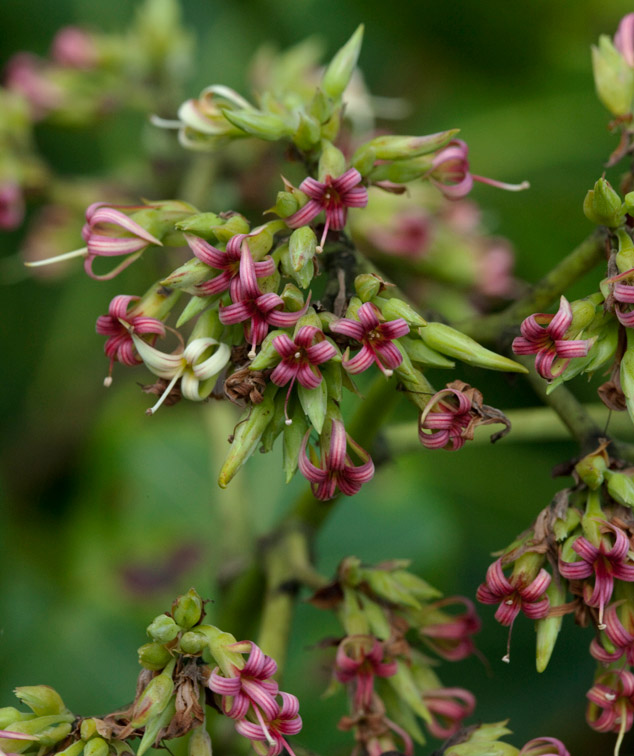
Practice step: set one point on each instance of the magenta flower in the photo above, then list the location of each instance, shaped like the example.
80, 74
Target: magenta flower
624, 39
11, 205
605, 562
513, 594
249, 687
451, 639
102, 234
29, 76
359, 660
376, 338
337, 470
74, 48
623, 292
445, 419
620, 634
120, 347
300, 359
450, 174
285, 722
448, 707
611, 707
545, 336
261, 310
334, 196
544, 747
228, 262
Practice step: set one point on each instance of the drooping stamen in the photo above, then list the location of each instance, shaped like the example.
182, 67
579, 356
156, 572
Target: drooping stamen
502, 185
164, 123
263, 725
507, 656
320, 247
165, 394
622, 729
83, 252
288, 420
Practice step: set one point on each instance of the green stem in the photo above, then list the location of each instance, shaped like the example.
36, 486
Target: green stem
542, 295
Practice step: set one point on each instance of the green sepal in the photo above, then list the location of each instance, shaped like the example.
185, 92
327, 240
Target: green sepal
402, 715
393, 147
625, 256
314, 403
194, 307
199, 743
351, 614
74, 749
192, 273
331, 161
603, 206
154, 698
276, 426
613, 77
265, 126
268, 354
293, 437
379, 624
235, 224
9, 714
395, 308
308, 134
406, 689
218, 651
333, 375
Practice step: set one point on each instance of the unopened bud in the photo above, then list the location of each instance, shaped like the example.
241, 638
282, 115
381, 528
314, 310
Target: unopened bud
154, 698
396, 308
293, 298
194, 307
74, 749
9, 715
286, 204
453, 343
352, 615
367, 286
625, 255
341, 67
603, 206
301, 246
41, 699
199, 742
331, 161
363, 159
268, 354
591, 469
262, 125
200, 224
88, 728
187, 609
308, 134
421, 354
613, 77
191, 273
208, 325
620, 487
163, 629
583, 312
404, 684
548, 628
390, 147
192, 643
96, 747
235, 224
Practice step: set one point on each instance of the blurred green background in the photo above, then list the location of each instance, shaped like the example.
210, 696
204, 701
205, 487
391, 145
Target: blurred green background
108, 514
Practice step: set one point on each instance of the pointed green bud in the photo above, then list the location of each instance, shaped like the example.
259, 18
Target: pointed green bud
482, 748
187, 610
265, 126
192, 643
405, 687
314, 402
603, 206
194, 307
248, 433
235, 224
613, 77
308, 134
293, 437
330, 129
620, 487
625, 254
191, 273
563, 528
377, 619
293, 298
153, 656
286, 204
340, 69
74, 749
321, 107
96, 747
331, 161
363, 159
154, 698
386, 586
41, 699
199, 742
155, 725
53, 735
627, 373
157, 302
420, 353
302, 245
453, 343
163, 629
583, 312
9, 715
391, 147
548, 628
415, 586
396, 308
367, 286
591, 469
200, 224
351, 614
353, 308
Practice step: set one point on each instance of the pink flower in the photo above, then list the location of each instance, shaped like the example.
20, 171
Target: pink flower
624, 39
620, 634
337, 470
334, 196
300, 359
376, 338
249, 687
120, 347
359, 659
408, 235
450, 172
623, 292
443, 422
261, 310
545, 336
74, 48
605, 562
285, 722
228, 262
611, 707
451, 639
11, 205
102, 234
448, 707
544, 747
28, 75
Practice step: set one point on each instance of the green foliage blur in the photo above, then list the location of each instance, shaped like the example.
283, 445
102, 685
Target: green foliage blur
107, 514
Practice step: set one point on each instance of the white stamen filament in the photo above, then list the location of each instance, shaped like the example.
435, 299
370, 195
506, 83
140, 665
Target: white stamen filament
165, 394
265, 729
622, 729
83, 252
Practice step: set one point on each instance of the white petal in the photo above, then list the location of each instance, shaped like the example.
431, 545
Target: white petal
213, 364
189, 386
161, 364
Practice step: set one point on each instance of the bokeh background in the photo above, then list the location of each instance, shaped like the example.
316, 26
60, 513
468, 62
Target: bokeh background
107, 515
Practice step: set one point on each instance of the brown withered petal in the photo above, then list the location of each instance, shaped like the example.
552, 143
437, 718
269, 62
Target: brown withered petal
189, 712
612, 396
328, 597
246, 386
159, 387
483, 414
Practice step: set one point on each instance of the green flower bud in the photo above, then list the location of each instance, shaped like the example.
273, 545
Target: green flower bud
187, 610
194, 307
154, 698
54, 734
310, 318
163, 629
563, 528
74, 749
367, 286
627, 373
200, 224
247, 435
157, 302
265, 126
402, 171
591, 469
199, 742
625, 255
613, 78
363, 159
155, 725
268, 356
276, 426
453, 343
377, 619
41, 699
192, 643
286, 204
314, 403
88, 728
321, 107
235, 224
9, 715
396, 308
603, 206
208, 325
548, 628
584, 311
331, 161
293, 437
620, 487
353, 308
49, 729
302, 245
326, 318
390, 147
96, 747
339, 72
420, 353
308, 134
218, 649
191, 273
293, 298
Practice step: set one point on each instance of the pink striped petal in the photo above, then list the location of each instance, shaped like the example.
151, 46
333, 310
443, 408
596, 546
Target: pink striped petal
537, 609
204, 251
569, 349
347, 181
305, 335
356, 197
348, 327
544, 362
112, 246
533, 330
368, 316
337, 449
562, 320
109, 215
320, 352
390, 354
236, 313
522, 345
284, 346
307, 377
304, 215
360, 362
536, 589
394, 329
